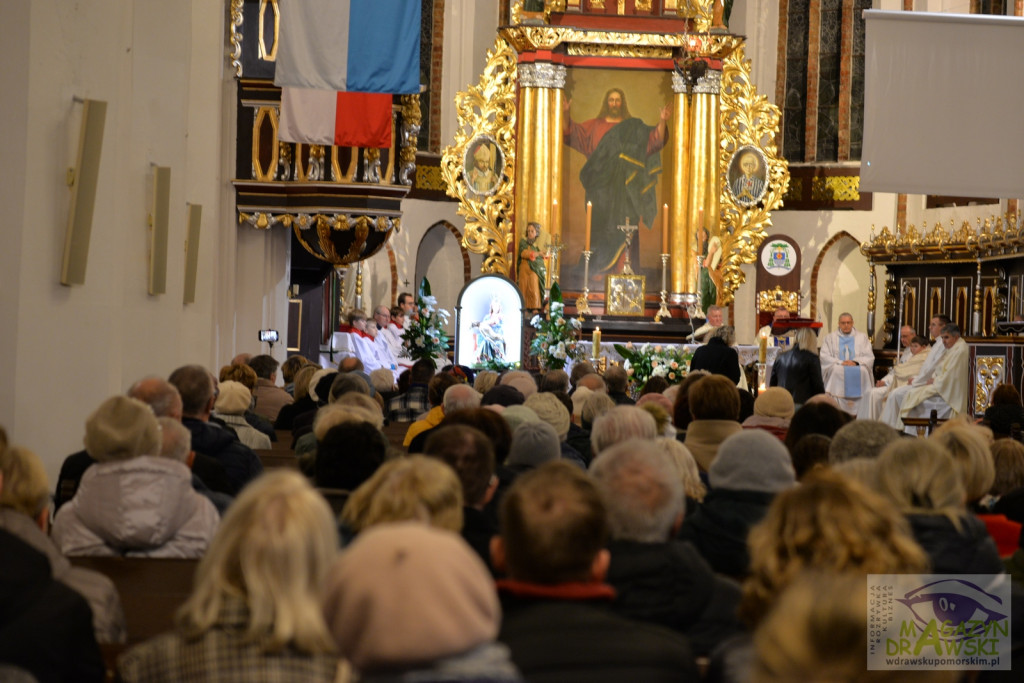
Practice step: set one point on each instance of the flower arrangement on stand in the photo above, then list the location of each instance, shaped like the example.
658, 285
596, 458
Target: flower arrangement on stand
427, 336
647, 360
558, 338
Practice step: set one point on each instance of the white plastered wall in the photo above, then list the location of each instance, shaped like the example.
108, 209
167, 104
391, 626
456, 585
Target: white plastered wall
160, 68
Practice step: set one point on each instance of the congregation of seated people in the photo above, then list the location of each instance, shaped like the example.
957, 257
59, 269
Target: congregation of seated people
452, 525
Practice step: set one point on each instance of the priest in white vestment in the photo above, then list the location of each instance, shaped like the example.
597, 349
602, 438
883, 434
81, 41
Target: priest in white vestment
784, 340
871, 407
946, 391
847, 360
893, 402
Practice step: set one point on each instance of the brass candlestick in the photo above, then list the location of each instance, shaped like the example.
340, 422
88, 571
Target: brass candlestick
663, 312
583, 300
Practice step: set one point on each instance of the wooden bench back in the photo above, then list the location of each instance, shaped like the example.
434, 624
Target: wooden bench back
151, 589
272, 458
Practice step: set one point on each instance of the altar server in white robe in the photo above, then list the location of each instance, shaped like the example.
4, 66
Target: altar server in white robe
847, 361
946, 391
871, 407
891, 409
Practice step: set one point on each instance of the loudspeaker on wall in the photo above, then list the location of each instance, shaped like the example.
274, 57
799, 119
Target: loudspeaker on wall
158, 220
83, 179
195, 218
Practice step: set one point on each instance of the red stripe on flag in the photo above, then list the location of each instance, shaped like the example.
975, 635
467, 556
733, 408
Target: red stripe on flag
362, 120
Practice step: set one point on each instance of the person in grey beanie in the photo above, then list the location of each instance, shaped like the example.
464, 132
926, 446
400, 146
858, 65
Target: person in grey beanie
533, 443
751, 467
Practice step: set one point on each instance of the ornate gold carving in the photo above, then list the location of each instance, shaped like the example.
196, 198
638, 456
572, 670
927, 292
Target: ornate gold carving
320, 228
531, 37
597, 4
348, 174
430, 178
643, 5
988, 375
995, 237
236, 36
260, 173
622, 7
702, 13
412, 119
549, 7
796, 190
597, 50
486, 109
313, 170
838, 188
269, 55
889, 308
747, 119
770, 299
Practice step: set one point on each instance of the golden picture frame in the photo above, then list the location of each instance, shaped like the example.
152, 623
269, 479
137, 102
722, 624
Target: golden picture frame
624, 295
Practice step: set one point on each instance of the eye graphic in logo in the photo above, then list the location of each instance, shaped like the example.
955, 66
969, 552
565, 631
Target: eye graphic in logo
961, 603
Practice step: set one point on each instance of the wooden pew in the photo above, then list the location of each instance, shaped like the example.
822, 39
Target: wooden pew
336, 498
272, 458
151, 590
284, 441
924, 425
395, 433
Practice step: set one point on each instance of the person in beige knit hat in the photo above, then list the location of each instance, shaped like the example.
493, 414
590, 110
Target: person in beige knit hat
773, 410
232, 402
407, 600
552, 410
133, 502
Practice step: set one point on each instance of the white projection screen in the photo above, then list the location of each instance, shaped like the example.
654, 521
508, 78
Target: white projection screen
943, 110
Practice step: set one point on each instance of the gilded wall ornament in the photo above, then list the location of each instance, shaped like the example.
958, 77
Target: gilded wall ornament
236, 36
989, 374
486, 111
748, 119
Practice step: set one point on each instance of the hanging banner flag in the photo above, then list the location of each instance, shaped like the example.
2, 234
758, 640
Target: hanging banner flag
345, 119
350, 45
339, 62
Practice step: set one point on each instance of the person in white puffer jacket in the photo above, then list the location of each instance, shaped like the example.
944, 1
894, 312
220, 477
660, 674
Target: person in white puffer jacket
133, 502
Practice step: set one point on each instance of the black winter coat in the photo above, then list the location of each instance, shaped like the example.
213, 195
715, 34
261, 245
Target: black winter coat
969, 550
240, 463
573, 638
672, 585
799, 372
719, 528
717, 358
45, 627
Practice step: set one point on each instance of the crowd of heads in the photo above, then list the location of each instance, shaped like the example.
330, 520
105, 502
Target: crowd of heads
553, 471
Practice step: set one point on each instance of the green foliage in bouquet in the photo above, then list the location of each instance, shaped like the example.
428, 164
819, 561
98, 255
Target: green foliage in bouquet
558, 338
647, 360
427, 337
